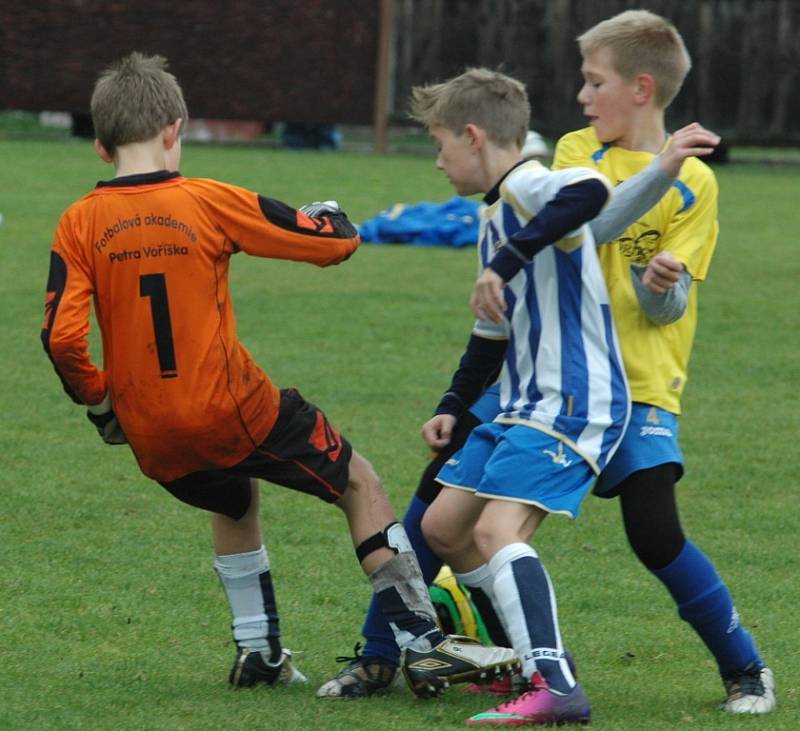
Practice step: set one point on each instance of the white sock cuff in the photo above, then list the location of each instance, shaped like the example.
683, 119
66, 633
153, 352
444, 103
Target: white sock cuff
510, 553
239, 565
476, 577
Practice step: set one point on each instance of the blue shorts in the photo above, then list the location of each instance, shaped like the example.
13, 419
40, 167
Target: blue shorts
522, 464
488, 405
651, 439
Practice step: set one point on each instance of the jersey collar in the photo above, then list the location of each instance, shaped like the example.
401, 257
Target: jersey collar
159, 176
494, 193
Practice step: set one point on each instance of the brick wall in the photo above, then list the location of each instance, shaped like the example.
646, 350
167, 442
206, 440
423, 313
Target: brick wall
267, 60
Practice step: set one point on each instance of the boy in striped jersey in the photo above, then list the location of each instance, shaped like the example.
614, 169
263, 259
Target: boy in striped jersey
464, 406
564, 400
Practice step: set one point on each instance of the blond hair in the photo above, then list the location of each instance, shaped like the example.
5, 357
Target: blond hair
642, 42
134, 100
489, 99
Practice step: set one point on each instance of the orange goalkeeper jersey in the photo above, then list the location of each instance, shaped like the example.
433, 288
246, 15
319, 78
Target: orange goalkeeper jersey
152, 252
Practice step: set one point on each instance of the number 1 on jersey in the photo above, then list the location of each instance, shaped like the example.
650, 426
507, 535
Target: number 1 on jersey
154, 286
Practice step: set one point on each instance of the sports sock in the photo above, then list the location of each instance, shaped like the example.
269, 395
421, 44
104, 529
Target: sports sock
706, 604
376, 630
480, 583
247, 582
405, 602
527, 604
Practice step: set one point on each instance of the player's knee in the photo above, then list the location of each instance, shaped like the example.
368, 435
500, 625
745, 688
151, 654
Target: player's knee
363, 485
362, 477
486, 537
439, 535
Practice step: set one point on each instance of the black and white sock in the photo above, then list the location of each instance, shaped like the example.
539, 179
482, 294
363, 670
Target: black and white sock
405, 602
247, 582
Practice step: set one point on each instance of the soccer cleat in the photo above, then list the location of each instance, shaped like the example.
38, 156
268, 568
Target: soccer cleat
507, 684
250, 669
455, 659
361, 678
538, 707
751, 690
514, 682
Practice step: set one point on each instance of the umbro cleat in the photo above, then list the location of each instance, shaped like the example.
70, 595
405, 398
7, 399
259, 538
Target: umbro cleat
751, 690
251, 669
455, 659
538, 707
362, 677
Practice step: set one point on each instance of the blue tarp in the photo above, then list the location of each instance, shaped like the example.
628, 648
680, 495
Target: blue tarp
453, 223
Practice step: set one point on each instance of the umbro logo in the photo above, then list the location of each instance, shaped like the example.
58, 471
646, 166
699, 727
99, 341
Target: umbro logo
430, 663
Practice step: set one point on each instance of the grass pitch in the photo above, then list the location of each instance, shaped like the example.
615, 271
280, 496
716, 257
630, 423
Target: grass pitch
110, 614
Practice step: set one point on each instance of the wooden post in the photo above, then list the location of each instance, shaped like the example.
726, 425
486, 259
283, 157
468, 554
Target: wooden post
382, 71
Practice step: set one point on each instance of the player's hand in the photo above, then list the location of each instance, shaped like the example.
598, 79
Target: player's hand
487, 300
694, 139
662, 272
320, 208
438, 430
105, 421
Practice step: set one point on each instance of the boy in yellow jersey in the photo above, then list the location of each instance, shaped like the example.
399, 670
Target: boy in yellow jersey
633, 66
151, 250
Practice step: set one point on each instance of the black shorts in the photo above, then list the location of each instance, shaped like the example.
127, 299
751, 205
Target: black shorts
302, 452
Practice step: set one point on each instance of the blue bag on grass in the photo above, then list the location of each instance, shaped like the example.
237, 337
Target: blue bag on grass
453, 223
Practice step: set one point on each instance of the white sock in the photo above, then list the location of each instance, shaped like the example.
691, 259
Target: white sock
482, 578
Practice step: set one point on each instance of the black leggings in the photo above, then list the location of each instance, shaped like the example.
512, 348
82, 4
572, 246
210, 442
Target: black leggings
650, 515
428, 488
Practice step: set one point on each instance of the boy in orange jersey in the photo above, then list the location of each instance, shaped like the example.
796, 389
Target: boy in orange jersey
151, 249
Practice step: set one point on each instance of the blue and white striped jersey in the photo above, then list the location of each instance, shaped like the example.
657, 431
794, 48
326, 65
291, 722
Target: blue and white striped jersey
563, 371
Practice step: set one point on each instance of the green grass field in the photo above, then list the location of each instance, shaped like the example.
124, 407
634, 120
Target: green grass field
110, 614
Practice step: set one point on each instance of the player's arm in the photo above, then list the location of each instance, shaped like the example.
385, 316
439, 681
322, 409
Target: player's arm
662, 288
478, 368
573, 205
267, 227
634, 197
64, 338
65, 330
325, 239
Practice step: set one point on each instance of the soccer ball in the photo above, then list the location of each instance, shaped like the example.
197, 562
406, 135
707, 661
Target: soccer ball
455, 612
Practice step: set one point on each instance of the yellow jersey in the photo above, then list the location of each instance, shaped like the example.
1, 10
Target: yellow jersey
684, 223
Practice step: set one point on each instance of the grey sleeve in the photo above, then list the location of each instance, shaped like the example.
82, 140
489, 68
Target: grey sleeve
662, 309
631, 200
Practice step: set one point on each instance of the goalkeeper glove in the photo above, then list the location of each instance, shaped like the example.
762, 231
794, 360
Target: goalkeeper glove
320, 208
105, 421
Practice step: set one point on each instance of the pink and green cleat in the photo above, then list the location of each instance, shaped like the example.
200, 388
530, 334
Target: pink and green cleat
538, 707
